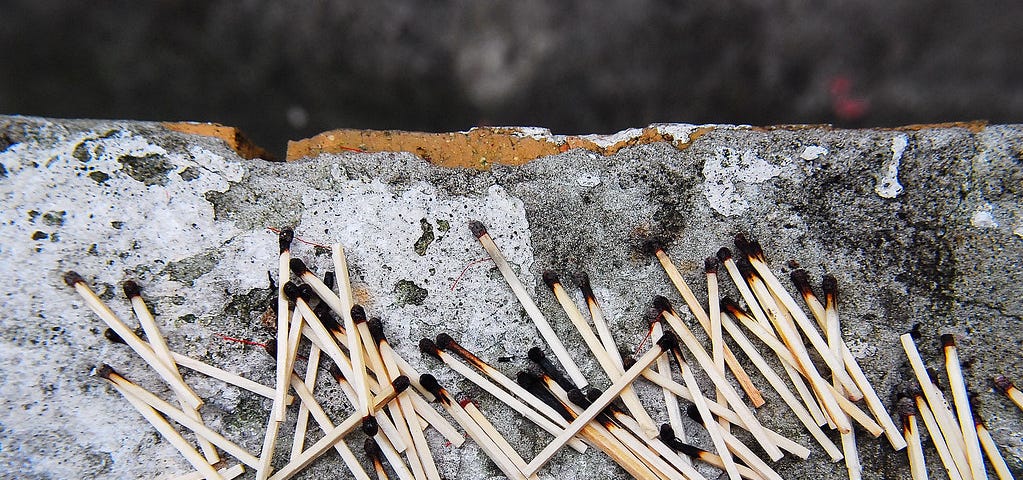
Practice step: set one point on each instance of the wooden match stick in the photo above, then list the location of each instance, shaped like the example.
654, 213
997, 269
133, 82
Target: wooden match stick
718, 377
491, 431
225, 376
670, 400
359, 380
701, 316
717, 342
326, 425
480, 231
491, 449
159, 345
373, 452
832, 328
227, 473
668, 438
962, 403
372, 430
937, 438
599, 320
755, 255
283, 276
612, 369
914, 449
1005, 386
739, 449
663, 344
74, 280
779, 386
339, 432
531, 412
302, 423
852, 455
164, 428
991, 450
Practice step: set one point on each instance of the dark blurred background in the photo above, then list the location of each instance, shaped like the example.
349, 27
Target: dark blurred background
288, 69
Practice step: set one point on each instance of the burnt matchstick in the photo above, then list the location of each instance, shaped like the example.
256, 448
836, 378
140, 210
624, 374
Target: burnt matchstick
739, 449
159, 345
74, 280
284, 239
537, 356
599, 320
717, 342
701, 316
832, 328
962, 404
718, 377
343, 309
937, 438
611, 368
373, 453
484, 423
1005, 386
480, 231
491, 449
755, 255
140, 396
663, 344
991, 449
537, 412
670, 400
668, 437
326, 425
914, 449
340, 431
372, 429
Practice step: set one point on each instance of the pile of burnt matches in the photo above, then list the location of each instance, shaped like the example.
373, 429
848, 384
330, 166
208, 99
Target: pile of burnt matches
392, 406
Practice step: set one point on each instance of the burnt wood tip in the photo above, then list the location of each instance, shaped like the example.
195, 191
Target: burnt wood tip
668, 341
72, 278
131, 289
830, 285
401, 383
583, 279
429, 382
372, 450
444, 340
477, 228
801, 280
906, 409
376, 330
285, 238
948, 340
662, 304
358, 314
428, 347
710, 265
724, 254
292, 291
1003, 384
298, 266
732, 307
111, 335
550, 278
536, 354
651, 247
577, 397
370, 426
329, 279
105, 371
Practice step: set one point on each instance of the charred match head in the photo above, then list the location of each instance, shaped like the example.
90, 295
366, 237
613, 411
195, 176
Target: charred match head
329, 279
732, 308
327, 318
577, 397
335, 372
372, 450
694, 413
551, 279
661, 304
444, 340
710, 265
628, 361
401, 383
724, 254
270, 347
111, 335
1003, 384
477, 228
746, 269
448, 343
749, 248
534, 384
285, 237
428, 347
291, 291
72, 278
906, 409
370, 426
104, 371
668, 341
131, 289
801, 280
537, 355
429, 382
830, 286
667, 436
948, 340
358, 314
584, 284
652, 246
298, 266
376, 330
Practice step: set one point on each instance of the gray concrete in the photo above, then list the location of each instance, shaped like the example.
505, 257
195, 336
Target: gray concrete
920, 227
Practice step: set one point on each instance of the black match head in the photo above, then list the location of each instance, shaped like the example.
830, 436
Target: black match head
592, 394
550, 278
801, 280
329, 279
653, 315
429, 382
305, 292
528, 380
336, 373
285, 237
371, 449
370, 426
651, 247
292, 291
401, 383
583, 279
111, 335
271, 347
694, 413
577, 397
724, 254
326, 316
662, 304
710, 265
444, 340
131, 289
477, 228
376, 330
745, 269
948, 340
298, 266
1002, 384
72, 278
906, 408
830, 285
628, 362
732, 307
428, 347
104, 371
666, 432
742, 243
358, 314
536, 354
668, 341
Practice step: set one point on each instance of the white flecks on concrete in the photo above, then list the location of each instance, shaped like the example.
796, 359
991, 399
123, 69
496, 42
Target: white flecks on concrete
679, 132
729, 177
588, 179
604, 141
813, 152
983, 217
888, 181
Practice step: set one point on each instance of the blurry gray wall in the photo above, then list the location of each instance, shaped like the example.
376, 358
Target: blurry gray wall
287, 69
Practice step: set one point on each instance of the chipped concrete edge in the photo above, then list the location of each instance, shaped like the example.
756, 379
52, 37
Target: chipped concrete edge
230, 135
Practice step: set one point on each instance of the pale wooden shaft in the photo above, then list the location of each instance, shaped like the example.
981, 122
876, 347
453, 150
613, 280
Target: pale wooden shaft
321, 418
283, 373
228, 473
681, 463
670, 400
965, 414
225, 376
494, 435
852, 456
302, 423
993, 455
938, 439
915, 450
476, 433
713, 429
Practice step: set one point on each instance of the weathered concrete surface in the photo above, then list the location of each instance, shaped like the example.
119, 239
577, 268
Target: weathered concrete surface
920, 227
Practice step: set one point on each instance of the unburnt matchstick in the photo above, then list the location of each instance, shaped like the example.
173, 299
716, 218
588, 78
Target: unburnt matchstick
962, 405
1005, 386
914, 449
610, 367
480, 231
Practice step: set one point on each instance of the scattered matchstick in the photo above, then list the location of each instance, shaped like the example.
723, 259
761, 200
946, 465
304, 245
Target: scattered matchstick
371, 429
1005, 386
480, 231
991, 450
670, 400
302, 423
537, 356
491, 431
599, 321
914, 449
667, 436
739, 449
228, 473
852, 455
373, 452
937, 438
326, 425
74, 280
832, 328
284, 238
717, 342
962, 404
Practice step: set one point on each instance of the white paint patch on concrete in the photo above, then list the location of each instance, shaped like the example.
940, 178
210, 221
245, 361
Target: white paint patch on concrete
813, 152
983, 217
679, 132
888, 181
729, 175
604, 141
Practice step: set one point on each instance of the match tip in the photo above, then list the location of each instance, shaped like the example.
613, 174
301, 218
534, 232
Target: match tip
104, 371
628, 362
477, 228
429, 382
536, 354
428, 347
285, 237
131, 289
358, 314
651, 247
550, 278
372, 450
948, 340
668, 341
376, 330
801, 280
593, 393
298, 266
829, 285
662, 304
336, 373
745, 269
583, 279
1001, 383
724, 254
444, 340
694, 413
329, 279
577, 397
72, 278
401, 383
292, 290
731, 306
370, 426
710, 265
653, 315
111, 335
742, 243
906, 409
666, 433
270, 347
528, 380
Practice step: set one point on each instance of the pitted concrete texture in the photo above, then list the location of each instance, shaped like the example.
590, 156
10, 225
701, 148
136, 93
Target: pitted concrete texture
923, 229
